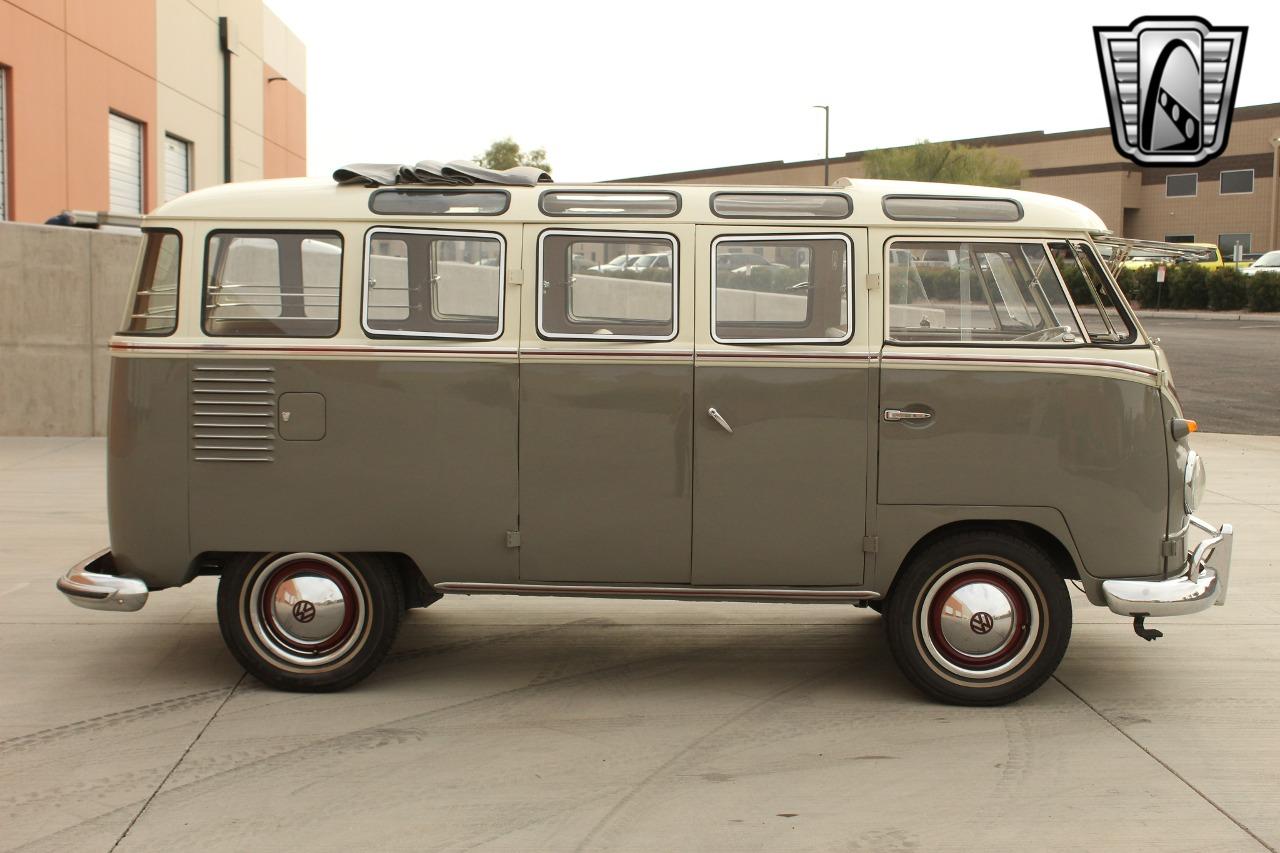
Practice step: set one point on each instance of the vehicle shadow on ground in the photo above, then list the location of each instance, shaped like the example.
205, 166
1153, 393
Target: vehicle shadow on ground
691, 656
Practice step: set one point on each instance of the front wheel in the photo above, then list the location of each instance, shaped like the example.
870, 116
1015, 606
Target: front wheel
979, 619
308, 621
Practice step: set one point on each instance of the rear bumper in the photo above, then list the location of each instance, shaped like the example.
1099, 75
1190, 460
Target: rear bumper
1202, 585
92, 583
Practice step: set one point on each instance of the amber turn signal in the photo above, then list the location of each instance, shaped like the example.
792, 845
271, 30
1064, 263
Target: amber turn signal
1182, 427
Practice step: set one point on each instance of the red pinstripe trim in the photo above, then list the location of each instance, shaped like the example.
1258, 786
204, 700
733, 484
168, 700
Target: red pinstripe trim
655, 354
990, 359
591, 353
785, 356
232, 348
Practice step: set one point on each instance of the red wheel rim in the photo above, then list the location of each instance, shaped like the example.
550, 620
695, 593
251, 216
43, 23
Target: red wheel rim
942, 605
309, 569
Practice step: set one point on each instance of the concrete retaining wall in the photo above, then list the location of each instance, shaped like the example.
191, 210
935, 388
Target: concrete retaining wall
63, 292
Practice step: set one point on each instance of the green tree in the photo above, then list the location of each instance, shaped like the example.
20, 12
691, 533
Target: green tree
945, 162
506, 154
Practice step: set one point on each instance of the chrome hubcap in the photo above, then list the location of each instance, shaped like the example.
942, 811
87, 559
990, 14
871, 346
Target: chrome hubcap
979, 620
307, 609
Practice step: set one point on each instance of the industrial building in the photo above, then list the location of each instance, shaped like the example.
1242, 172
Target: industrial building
120, 105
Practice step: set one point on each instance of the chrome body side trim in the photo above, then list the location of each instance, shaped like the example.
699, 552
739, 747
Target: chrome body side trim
640, 591
1202, 585
91, 584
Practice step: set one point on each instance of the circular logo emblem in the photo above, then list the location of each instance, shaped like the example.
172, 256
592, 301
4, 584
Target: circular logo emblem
981, 622
305, 611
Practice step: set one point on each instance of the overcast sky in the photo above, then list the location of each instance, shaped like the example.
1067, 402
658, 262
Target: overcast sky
614, 90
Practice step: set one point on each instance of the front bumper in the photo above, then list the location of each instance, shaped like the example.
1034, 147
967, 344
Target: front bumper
1202, 585
92, 583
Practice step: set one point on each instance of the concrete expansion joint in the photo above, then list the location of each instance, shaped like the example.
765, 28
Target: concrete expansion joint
181, 758
1201, 794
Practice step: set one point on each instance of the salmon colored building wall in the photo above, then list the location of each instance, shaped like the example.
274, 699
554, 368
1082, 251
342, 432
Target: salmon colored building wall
284, 124
70, 63
111, 67
33, 51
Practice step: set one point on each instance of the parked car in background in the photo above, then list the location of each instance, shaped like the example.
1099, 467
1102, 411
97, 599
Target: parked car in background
742, 262
617, 265
1211, 258
651, 263
1207, 255
1269, 262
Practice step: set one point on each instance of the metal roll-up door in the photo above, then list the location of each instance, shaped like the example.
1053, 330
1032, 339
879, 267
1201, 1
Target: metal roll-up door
177, 167
4, 146
125, 164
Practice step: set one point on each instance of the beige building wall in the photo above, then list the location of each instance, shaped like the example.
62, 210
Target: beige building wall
189, 73
189, 85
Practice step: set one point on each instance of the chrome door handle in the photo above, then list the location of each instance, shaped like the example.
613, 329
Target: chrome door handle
900, 415
719, 418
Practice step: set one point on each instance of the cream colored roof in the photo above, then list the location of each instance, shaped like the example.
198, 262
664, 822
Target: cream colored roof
320, 199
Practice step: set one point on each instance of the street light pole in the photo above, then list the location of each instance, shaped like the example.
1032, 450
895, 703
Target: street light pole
1275, 191
826, 142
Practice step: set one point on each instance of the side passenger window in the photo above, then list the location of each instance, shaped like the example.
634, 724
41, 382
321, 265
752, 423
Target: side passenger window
273, 284
782, 290
616, 285
439, 284
976, 291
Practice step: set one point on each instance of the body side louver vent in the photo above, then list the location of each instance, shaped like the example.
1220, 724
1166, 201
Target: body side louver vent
233, 413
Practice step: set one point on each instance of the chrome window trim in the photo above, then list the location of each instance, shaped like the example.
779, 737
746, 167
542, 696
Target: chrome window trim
885, 200
772, 238
588, 336
1041, 241
587, 214
438, 191
434, 232
1122, 306
711, 203
177, 290
207, 268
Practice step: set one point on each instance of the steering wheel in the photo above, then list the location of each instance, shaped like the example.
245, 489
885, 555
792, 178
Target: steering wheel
1045, 335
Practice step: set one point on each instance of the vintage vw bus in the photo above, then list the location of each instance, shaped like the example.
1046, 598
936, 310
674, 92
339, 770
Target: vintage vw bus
349, 400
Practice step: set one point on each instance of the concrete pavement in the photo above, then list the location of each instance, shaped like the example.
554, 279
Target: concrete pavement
543, 724
1224, 371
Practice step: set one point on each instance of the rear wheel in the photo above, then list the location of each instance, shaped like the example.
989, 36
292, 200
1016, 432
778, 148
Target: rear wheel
979, 619
309, 621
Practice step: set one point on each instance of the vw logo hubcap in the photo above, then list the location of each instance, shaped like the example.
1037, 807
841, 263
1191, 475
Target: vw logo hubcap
305, 611
981, 622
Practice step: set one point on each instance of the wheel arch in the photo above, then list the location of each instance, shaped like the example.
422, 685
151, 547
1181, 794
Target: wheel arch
417, 591
907, 531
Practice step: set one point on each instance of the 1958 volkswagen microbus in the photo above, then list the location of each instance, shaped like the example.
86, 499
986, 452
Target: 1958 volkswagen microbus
930, 400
